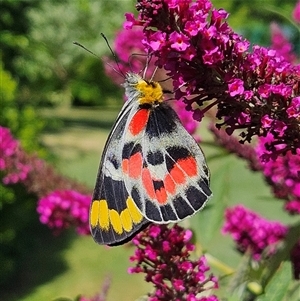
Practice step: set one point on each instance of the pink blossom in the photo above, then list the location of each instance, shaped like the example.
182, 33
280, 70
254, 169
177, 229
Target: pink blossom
35, 174
8, 146
179, 42
170, 251
130, 21
236, 87
293, 206
158, 40
283, 173
296, 12
12, 159
294, 108
62, 209
214, 62
266, 121
252, 232
281, 44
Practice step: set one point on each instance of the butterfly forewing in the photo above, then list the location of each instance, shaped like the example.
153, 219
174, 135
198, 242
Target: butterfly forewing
114, 217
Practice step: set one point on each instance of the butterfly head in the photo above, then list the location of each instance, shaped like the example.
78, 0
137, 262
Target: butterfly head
145, 92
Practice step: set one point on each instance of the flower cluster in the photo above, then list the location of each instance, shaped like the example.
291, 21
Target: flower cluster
35, 174
283, 174
163, 254
12, 159
253, 233
281, 44
62, 209
296, 13
131, 54
255, 92
8, 146
59, 209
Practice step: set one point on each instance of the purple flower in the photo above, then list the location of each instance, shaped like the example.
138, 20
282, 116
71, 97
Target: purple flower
174, 275
207, 60
62, 209
8, 146
179, 41
35, 174
236, 87
296, 12
158, 40
251, 232
12, 159
293, 206
130, 21
281, 44
282, 173
294, 108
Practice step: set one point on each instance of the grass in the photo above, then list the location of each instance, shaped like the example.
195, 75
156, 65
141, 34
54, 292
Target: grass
87, 268
84, 266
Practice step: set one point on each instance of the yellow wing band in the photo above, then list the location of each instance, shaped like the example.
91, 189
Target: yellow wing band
104, 218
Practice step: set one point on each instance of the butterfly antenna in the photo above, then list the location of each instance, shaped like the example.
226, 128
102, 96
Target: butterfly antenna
153, 74
83, 47
119, 71
146, 66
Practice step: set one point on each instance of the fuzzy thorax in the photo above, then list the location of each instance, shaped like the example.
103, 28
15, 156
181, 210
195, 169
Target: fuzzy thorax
151, 92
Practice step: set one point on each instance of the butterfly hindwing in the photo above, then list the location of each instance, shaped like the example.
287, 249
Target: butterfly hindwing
164, 168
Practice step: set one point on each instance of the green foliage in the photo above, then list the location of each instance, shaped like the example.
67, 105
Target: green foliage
279, 285
6, 236
16, 215
91, 86
52, 70
17, 208
21, 118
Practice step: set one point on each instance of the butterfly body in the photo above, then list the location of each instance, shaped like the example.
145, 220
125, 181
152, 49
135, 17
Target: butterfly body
151, 169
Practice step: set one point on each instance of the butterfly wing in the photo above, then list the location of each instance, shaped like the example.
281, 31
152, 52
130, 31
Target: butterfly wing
114, 217
151, 168
164, 168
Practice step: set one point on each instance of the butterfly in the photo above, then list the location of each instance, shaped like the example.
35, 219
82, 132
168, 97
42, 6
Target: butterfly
151, 170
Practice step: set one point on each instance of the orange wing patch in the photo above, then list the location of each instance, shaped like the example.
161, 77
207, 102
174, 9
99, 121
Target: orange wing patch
139, 121
188, 165
159, 189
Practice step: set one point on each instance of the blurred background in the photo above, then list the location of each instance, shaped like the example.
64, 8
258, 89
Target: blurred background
57, 100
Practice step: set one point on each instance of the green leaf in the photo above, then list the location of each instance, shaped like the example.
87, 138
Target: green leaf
278, 286
282, 254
